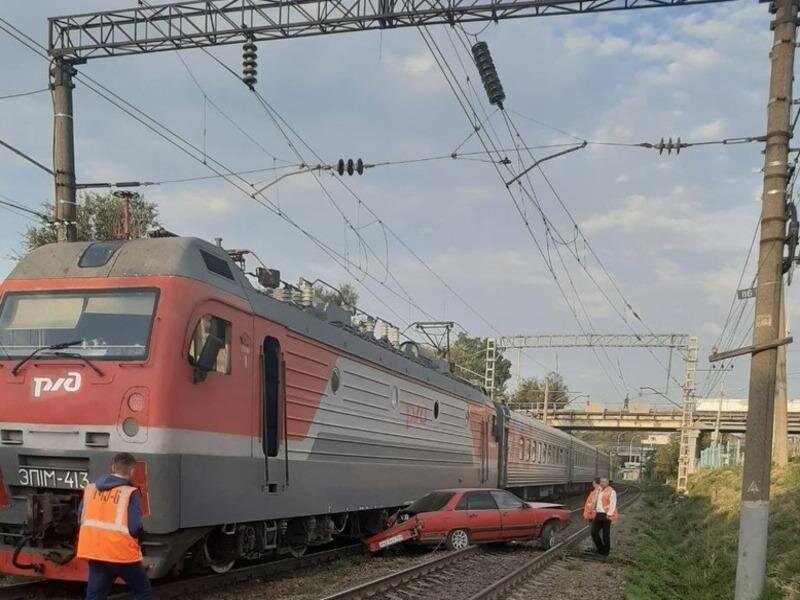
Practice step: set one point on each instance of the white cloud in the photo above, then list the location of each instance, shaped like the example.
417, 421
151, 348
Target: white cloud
415, 64
709, 131
642, 215
578, 42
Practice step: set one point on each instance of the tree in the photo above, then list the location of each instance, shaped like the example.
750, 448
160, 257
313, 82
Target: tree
99, 217
663, 464
349, 295
529, 395
468, 357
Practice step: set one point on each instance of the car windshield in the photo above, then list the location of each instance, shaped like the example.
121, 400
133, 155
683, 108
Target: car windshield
108, 325
429, 503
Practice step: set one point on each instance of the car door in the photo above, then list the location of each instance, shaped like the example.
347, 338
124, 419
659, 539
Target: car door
517, 518
481, 516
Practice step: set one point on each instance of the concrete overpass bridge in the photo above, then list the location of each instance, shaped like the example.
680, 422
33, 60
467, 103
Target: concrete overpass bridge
730, 421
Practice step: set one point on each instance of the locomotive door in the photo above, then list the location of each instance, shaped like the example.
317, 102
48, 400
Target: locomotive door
273, 415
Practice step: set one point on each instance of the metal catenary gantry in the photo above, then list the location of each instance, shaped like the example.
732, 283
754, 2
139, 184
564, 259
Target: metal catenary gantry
154, 28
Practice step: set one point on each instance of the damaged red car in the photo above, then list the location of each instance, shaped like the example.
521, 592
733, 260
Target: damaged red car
460, 517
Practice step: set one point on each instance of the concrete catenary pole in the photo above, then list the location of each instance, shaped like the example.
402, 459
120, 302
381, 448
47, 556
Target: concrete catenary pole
752, 559
64, 150
780, 430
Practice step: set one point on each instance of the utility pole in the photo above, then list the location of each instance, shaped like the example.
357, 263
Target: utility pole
780, 430
64, 149
752, 559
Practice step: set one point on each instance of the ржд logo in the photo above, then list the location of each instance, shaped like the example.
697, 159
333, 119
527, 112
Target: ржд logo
70, 383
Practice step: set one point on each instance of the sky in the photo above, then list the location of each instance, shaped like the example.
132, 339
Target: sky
672, 231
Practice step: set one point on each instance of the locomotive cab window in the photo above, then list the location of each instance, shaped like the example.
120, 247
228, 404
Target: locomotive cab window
208, 327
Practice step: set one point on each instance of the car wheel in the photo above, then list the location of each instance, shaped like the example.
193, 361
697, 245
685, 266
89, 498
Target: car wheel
458, 539
548, 538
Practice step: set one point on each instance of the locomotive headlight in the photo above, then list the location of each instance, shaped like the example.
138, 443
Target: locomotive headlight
130, 427
136, 402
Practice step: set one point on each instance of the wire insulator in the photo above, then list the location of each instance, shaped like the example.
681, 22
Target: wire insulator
350, 166
249, 63
488, 73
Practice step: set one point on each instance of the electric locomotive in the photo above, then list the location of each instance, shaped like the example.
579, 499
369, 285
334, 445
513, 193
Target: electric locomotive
264, 423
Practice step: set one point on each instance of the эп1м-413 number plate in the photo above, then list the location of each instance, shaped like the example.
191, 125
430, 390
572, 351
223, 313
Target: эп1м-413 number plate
70, 479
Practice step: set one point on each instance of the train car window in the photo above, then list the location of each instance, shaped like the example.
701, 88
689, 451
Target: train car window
480, 501
541, 452
522, 448
272, 393
506, 500
211, 325
533, 452
217, 265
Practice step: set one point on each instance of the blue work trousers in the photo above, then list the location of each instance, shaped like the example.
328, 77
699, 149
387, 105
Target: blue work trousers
103, 574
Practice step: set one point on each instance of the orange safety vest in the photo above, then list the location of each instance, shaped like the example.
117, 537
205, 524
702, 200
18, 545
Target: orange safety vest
589, 513
104, 531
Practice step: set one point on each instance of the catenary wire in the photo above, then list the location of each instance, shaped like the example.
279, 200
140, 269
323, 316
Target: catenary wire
188, 148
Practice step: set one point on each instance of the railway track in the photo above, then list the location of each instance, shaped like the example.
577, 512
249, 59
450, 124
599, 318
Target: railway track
192, 586
40, 588
188, 587
475, 573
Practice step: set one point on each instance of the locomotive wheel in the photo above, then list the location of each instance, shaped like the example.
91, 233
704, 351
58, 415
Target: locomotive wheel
458, 539
216, 565
548, 538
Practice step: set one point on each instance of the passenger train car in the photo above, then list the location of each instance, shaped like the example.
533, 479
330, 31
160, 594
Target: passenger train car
263, 426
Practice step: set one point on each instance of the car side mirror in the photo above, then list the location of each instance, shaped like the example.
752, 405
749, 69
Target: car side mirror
208, 358
526, 506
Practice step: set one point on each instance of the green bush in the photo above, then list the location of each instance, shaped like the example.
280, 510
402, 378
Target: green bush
688, 549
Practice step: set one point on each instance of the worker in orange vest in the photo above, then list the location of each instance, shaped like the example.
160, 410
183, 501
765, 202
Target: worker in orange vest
111, 531
601, 510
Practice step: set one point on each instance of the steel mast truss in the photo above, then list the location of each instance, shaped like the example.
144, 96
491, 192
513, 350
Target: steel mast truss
687, 345
594, 340
202, 23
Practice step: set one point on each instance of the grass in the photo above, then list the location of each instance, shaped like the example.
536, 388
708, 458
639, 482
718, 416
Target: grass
687, 547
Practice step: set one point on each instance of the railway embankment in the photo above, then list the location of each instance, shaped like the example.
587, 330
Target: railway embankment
686, 548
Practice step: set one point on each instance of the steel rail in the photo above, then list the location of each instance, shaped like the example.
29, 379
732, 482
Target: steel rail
393, 580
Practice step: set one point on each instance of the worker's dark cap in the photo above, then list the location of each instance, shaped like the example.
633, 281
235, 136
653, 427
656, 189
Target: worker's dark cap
124, 459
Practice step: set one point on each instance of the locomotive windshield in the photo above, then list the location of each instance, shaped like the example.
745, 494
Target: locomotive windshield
109, 325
